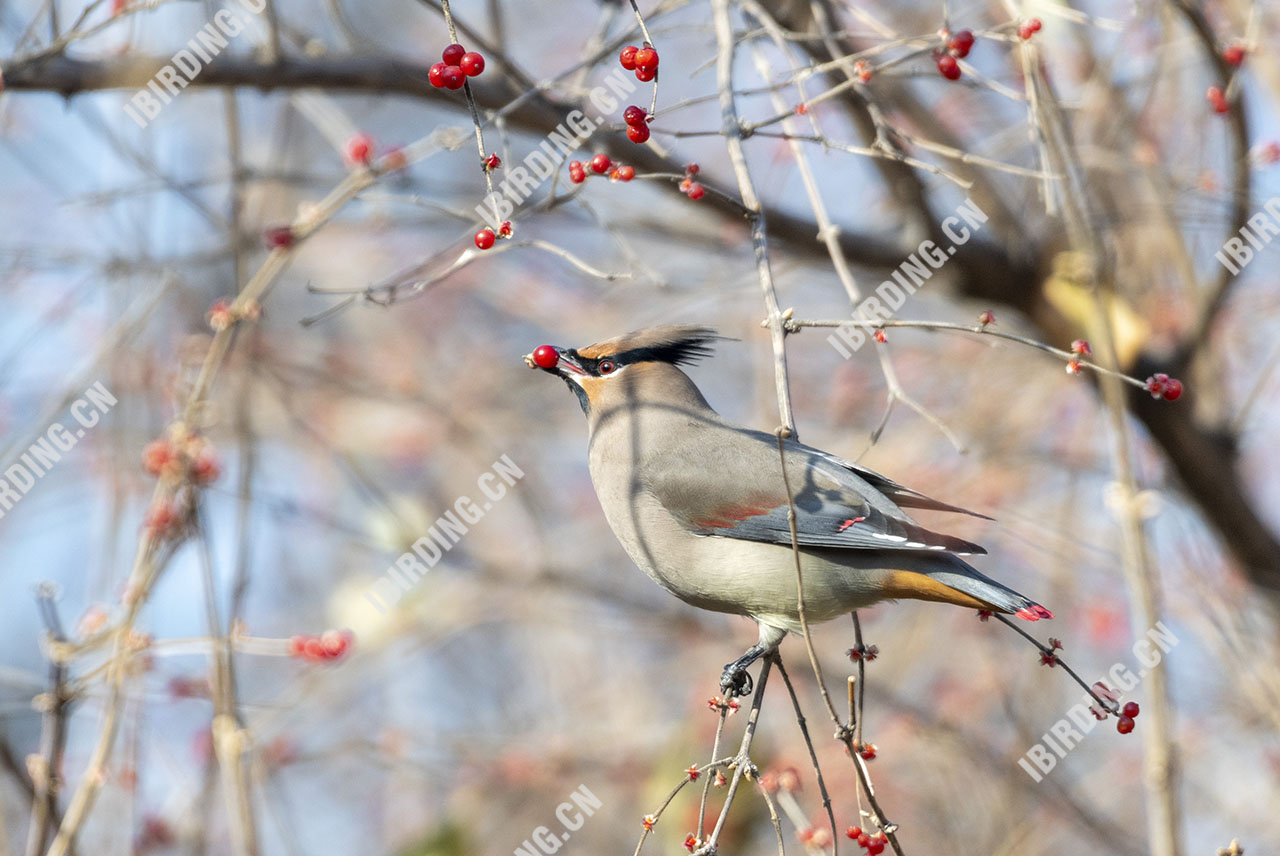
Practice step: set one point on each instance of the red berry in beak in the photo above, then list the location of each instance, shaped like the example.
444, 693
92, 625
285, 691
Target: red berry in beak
546, 357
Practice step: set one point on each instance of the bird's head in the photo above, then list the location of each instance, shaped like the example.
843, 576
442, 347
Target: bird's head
641, 362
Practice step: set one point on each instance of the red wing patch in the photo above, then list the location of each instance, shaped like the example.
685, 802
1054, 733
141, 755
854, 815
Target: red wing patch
726, 517
850, 522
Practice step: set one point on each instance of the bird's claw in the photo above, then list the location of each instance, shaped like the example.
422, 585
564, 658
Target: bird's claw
735, 681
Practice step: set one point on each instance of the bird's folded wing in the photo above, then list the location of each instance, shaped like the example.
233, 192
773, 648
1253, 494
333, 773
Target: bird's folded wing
900, 494
734, 489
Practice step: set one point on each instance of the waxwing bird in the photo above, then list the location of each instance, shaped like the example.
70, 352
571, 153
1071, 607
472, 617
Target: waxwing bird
699, 503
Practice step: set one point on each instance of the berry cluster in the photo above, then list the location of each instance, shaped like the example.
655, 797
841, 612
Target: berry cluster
601, 164
486, 237
688, 186
872, 843
1127, 714
1163, 386
642, 60
330, 645
190, 458
1029, 28
637, 124
458, 64
958, 46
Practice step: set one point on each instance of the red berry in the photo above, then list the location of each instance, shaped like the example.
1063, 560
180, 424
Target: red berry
452, 55
436, 75
646, 73
1073, 367
880, 336
960, 43
646, 56
1233, 54
634, 115
1163, 386
313, 649
1029, 28
628, 57
948, 67
297, 644
492, 162
868, 751
853, 831
696, 191
863, 840
638, 133
360, 148
600, 164
278, 236
205, 469
471, 64
626, 173
504, 230
334, 643
485, 238
875, 847
1217, 99
453, 77
1130, 709
577, 176
546, 357
156, 455
1124, 724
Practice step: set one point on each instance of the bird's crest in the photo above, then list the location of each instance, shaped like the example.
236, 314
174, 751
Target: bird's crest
677, 344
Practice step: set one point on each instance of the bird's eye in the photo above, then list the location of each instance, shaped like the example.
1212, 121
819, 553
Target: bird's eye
605, 367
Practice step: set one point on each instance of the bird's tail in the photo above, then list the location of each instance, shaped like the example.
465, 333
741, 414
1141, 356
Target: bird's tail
948, 579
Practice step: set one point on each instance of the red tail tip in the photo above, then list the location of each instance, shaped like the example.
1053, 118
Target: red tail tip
1034, 612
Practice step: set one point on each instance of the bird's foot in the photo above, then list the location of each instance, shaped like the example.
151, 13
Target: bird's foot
735, 681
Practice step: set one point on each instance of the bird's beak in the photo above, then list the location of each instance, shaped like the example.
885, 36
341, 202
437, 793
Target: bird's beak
565, 364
